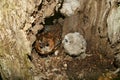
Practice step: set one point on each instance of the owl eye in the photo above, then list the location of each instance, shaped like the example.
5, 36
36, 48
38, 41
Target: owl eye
66, 40
82, 48
47, 44
41, 46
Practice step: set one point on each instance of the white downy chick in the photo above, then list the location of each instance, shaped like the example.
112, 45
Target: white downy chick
74, 44
69, 7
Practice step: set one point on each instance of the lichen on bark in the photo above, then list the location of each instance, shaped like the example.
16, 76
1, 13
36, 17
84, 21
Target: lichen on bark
14, 46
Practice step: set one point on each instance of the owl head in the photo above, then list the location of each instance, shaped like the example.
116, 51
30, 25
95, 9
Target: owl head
70, 38
44, 45
74, 43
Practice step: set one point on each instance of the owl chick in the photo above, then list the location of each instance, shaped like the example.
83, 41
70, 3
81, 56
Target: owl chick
48, 40
74, 44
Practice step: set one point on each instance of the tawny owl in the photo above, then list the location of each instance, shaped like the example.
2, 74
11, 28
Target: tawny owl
74, 44
48, 39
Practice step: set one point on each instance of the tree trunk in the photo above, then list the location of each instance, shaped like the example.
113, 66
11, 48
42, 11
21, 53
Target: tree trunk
20, 21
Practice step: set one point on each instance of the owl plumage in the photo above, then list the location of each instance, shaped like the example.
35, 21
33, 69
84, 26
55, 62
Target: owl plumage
74, 44
48, 39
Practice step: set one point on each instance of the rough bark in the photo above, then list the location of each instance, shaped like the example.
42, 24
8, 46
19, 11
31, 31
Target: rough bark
97, 20
14, 46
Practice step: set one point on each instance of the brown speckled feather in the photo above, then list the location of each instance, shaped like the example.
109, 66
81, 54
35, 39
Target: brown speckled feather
49, 39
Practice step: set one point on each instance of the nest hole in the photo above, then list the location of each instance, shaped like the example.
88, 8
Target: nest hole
53, 19
47, 21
